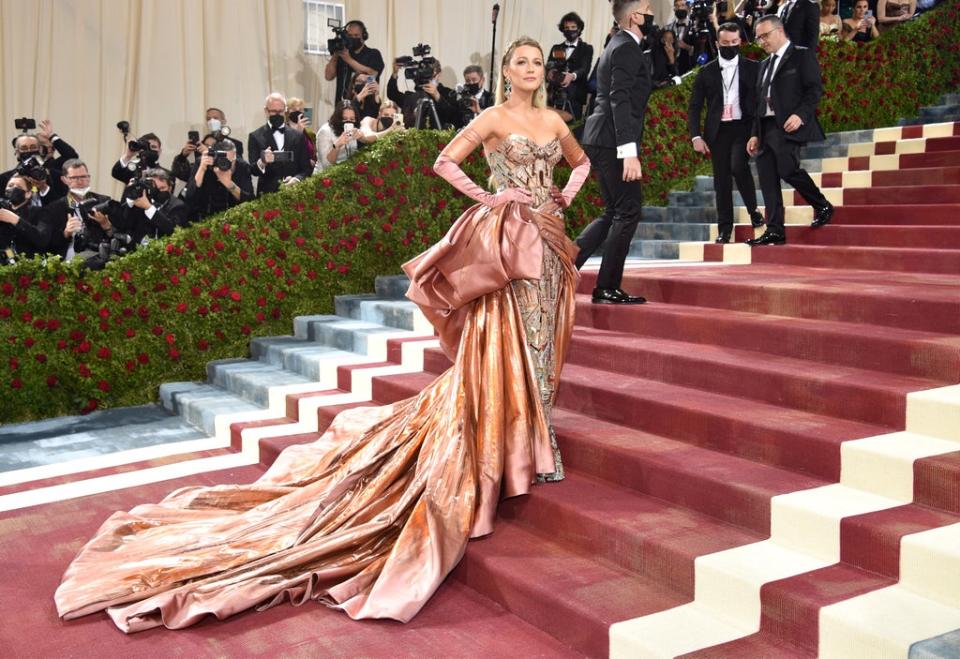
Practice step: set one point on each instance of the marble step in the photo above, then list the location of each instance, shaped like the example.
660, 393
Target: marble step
656, 231
399, 314
391, 286
58, 440
199, 404
655, 249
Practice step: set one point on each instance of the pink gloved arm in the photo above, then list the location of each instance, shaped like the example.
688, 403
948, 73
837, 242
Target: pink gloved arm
580, 163
448, 166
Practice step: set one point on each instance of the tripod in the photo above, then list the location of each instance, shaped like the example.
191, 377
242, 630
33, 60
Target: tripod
426, 109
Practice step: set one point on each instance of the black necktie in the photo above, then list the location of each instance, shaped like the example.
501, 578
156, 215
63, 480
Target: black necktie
767, 79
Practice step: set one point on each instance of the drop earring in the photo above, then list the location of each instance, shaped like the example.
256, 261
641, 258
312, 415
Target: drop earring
507, 88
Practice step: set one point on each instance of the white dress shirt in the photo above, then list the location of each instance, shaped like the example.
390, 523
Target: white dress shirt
776, 65
730, 77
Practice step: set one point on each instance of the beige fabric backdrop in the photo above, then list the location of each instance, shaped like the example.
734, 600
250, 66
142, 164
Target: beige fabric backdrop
86, 64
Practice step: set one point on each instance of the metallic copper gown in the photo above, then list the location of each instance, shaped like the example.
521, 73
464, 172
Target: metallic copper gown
372, 516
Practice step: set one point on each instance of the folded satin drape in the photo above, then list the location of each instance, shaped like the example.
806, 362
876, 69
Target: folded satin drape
372, 516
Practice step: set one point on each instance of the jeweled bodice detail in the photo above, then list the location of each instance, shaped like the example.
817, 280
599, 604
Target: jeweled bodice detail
519, 162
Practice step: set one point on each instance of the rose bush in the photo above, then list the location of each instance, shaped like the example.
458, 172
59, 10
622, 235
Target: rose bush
73, 341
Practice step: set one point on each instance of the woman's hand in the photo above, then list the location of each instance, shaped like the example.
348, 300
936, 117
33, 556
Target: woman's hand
516, 195
556, 203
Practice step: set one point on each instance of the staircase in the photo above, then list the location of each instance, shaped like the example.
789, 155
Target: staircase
692, 216
764, 461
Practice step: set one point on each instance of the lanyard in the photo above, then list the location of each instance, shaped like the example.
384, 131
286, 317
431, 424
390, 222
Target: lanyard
726, 87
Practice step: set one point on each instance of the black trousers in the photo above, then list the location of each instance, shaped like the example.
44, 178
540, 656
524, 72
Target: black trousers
624, 202
729, 155
780, 159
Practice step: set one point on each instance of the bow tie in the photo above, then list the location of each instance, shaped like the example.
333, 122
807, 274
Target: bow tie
280, 130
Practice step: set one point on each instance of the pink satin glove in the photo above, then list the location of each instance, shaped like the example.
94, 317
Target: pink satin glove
451, 172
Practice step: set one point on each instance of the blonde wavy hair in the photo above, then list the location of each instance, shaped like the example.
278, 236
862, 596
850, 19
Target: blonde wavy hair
540, 97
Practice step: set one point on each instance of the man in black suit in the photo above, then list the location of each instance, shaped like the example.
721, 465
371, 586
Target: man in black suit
273, 137
155, 212
354, 58
801, 21
728, 84
75, 229
611, 138
571, 59
789, 90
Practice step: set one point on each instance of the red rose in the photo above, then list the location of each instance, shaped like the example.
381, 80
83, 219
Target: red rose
53, 325
84, 370
361, 168
52, 381
143, 358
170, 339
170, 248
84, 347
157, 330
61, 345
42, 358
312, 275
131, 333
245, 330
103, 353
173, 353
235, 296
5, 312
16, 383
103, 386
363, 200
326, 183
203, 344
130, 365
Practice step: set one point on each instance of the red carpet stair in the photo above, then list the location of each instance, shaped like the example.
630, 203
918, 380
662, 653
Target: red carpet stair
727, 413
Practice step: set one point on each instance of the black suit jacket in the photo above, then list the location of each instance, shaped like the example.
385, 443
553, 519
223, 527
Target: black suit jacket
623, 89
579, 62
170, 215
270, 179
55, 215
708, 86
803, 23
796, 89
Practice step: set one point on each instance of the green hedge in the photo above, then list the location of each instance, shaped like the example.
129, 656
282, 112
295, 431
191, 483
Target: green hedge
72, 341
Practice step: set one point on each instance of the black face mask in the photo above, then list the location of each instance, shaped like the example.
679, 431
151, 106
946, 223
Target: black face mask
275, 121
358, 88
160, 198
681, 13
352, 43
729, 52
472, 88
571, 35
647, 26
24, 156
385, 122
16, 196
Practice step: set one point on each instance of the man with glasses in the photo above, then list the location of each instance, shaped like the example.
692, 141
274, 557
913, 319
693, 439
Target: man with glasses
789, 90
76, 230
263, 146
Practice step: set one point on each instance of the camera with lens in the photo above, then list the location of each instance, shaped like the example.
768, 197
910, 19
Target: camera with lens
221, 160
118, 245
89, 227
700, 12
31, 167
466, 95
419, 67
136, 189
341, 40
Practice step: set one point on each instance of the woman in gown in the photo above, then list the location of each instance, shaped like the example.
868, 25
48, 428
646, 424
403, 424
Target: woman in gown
372, 516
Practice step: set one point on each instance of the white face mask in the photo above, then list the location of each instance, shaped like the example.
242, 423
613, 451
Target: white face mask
214, 125
79, 192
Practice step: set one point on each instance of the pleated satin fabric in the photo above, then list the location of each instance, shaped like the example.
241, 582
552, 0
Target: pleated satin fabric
372, 516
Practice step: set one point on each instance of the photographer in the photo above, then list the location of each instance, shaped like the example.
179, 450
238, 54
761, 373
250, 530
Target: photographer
150, 210
365, 94
663, 58
141, 153
702, 35
337, 140
680, 26
349, 56
298, 120
221, 180
21, 232
82, 220
217, 125
568, 69
281, 155
388, 121
39, 169
425, 73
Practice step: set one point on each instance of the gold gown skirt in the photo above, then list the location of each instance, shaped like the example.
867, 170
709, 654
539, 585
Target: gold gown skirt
372, 516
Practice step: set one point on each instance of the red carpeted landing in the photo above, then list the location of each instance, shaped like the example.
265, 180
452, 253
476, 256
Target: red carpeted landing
37, 543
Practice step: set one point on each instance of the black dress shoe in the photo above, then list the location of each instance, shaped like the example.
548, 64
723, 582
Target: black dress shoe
723, 238
823, 216
769, 238
756, 219
615, 296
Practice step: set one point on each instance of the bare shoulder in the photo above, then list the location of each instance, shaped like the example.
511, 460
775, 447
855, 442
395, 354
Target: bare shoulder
556, 123
486, 123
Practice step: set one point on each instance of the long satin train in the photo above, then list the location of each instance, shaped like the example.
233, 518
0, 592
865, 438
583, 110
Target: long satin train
372, 516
